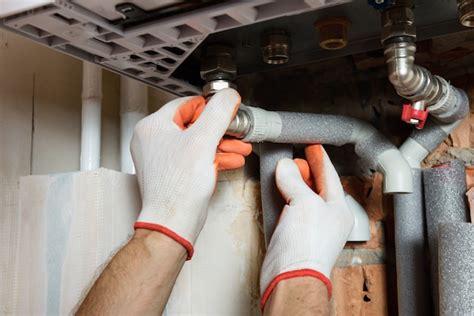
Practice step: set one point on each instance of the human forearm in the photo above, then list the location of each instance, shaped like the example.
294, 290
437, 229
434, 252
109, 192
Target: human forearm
139, 279
298, 296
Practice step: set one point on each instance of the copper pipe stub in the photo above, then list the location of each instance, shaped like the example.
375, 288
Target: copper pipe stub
332, 32
276, 47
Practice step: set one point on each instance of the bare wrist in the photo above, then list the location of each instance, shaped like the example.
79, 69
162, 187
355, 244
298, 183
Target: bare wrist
297, 296
159, 243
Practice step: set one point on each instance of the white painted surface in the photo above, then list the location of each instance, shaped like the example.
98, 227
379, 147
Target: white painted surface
71, 223
128, 120
133, 107
9, 226
16, 105
42, 88
222, 278
91, 116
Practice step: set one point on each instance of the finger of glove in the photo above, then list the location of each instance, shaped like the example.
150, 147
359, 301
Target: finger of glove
234, 146
217, 115
305, 171
229, 161
189, 111
166, 114
326, 179
289, 181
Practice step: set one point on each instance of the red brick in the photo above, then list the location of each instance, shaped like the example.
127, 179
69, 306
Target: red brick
470, 177
368, 192
376, 239
359, 290
470, 199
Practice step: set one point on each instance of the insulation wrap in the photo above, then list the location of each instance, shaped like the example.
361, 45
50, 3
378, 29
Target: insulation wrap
456, 269
445, 187
412, 275
272, 202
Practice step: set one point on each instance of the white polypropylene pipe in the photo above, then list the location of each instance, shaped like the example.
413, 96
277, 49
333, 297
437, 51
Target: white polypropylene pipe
91, 116
361, 229
133, 107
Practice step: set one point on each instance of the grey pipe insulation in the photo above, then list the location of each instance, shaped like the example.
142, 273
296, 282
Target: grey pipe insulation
309, 128
257, 125
456, 268
275, 129
447, 106
410, 227
443, 203
272, 202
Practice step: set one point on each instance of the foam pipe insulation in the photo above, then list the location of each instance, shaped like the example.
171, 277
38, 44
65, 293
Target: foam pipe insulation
91, 116
133, 107
410, 236
456, 268
272, 202
444, 189
422, 142
309, 128
412, 276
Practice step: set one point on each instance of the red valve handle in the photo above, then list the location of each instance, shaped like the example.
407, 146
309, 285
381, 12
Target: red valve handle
409, 113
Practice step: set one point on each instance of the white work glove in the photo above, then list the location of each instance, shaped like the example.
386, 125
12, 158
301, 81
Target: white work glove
177, 152
312, 228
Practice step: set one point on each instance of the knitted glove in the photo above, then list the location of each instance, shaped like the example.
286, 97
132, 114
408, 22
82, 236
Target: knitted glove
177, 152
313, 228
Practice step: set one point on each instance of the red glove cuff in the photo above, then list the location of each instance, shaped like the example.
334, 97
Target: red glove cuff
168, 232
295, 274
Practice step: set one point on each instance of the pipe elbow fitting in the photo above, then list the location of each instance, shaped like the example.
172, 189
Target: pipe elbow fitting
397, 173
402, 78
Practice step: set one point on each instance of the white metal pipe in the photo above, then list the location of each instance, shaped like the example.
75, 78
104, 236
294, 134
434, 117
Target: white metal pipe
133, 107
91, 116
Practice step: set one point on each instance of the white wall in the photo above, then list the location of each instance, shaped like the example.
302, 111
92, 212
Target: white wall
40, 107
42, 88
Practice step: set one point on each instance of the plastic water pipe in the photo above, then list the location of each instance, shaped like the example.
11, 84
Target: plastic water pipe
410, 222
258, 125
91, 116
133, 107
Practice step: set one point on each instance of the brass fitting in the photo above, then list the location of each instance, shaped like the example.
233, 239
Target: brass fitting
466, 12
276, 47
333, 32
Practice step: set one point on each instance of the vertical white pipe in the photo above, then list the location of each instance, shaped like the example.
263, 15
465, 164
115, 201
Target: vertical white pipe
133, 107
91, 116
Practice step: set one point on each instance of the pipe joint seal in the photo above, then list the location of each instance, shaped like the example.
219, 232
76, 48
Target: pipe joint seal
453, 104
264, 125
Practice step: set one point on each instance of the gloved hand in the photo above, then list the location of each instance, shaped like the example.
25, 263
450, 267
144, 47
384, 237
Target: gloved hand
177, 152
312, 228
